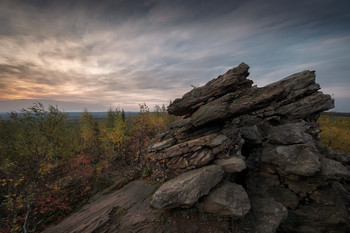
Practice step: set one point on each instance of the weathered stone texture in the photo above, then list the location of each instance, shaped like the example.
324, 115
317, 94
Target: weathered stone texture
186, 189
227, 200
233, 80
264, 138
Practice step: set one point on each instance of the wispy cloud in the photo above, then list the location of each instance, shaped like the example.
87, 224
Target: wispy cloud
129, 52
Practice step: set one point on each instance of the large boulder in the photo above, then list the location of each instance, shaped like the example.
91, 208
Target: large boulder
332, 169
298, 159
268, 214
284, 196
288, 134
186, 189
227, 200
317, 218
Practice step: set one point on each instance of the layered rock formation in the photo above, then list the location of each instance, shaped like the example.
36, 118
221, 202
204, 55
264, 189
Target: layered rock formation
240, 151
241, 159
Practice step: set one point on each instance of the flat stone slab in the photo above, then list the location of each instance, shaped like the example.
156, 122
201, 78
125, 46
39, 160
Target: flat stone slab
186, 189
97, 215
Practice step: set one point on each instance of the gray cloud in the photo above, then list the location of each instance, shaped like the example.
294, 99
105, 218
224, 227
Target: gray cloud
129, 52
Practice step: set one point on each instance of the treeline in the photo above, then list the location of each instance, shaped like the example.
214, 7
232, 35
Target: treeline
339, 114
50, 166
335, 132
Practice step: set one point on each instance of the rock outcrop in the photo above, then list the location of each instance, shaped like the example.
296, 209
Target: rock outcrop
274, 170
241, 159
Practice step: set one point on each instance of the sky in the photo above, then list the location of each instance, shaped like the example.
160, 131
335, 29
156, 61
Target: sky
122, 53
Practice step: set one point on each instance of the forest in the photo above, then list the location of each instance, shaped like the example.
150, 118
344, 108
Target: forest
50, 165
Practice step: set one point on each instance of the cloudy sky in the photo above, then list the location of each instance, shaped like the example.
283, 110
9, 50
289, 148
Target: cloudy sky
101, 54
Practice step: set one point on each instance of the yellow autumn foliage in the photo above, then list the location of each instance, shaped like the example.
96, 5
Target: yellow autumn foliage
335, 132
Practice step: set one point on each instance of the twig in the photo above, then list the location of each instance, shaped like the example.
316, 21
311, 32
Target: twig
37, 224
25, 220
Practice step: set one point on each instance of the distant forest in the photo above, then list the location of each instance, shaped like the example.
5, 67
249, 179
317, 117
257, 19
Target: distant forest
74, 115
340, 114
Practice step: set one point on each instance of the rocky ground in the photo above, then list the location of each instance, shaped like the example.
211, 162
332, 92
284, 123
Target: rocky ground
241, 159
